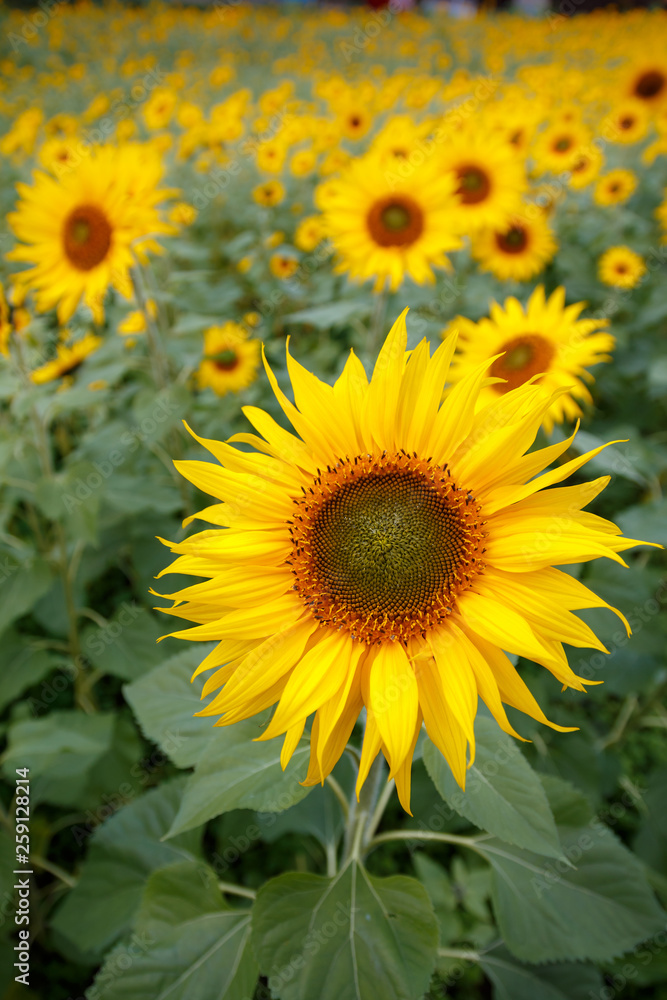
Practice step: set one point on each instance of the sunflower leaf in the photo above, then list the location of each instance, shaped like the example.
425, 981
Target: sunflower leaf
237, 771
514, 981
596, 908
503, 794
354, 936
188, 944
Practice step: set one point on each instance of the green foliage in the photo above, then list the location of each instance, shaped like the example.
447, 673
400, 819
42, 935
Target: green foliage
353, 935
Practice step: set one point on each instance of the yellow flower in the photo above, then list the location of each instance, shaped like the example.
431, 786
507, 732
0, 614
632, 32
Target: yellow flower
274, 239
489, 177
647, 81
546, 338
135, 322
628, 123
388, 555
5, 324
283, 265
68, 358
303, 162
271, 156
182, 214
230, 359
269, 194
519, 252
79, 231
621, 267
245, 264
586, 168
560, 146
615, 187
384, 225
309, 233
159, 108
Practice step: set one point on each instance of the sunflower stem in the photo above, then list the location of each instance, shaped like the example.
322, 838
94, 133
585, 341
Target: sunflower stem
362, 809
236, 890
382, 804
339, 793
445, 838
378, 320
158, 359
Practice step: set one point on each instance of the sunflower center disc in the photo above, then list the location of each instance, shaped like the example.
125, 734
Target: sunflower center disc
225, 361
525, 356
474, 185
395, 221
649, 84
86, 237
383, 546
513, 241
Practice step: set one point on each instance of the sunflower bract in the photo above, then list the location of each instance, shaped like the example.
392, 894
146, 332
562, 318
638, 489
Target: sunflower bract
388, 554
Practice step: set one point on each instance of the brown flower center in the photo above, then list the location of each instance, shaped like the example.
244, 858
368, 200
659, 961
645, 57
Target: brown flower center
474, 184
86, 237
626, 122
515, 240
395, 221
382, 546
563, 144
225, 361
650, 84
525, 356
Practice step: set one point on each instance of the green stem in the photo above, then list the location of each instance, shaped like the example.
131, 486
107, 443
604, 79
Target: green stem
158, 360
361, 810
339, 793
236, 890
382, 803
470, 956
444, 838
53, 869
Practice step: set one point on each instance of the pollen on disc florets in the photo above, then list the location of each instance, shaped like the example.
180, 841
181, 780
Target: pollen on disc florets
382, 545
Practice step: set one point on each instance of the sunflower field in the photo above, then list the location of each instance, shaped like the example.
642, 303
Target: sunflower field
333, 386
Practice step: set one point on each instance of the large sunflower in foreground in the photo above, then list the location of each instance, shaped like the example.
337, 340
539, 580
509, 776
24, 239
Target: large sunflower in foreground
79, 231
389, 554
387, 219
545, 339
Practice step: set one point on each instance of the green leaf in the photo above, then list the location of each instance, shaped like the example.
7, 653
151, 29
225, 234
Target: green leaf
188, 946
503, 794
60, 749
253, 777
180, 892
165, 701
127, 646
332, 314
441, 893
514, 981
569, 806
23, 666
353, 936
124, 851
23, 585
548, 912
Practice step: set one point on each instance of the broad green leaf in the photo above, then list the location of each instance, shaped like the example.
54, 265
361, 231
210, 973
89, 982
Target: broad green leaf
165, 701
7, 866
123, 852
188, 944
178, 893
236, 772
503, 794
597, 909
319, 815
353, 937
23, 666
127, 646
514, 981
331, 314
569, 806
22, 585
60, 749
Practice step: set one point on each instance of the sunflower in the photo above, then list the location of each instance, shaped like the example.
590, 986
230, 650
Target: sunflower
80, 231
661, 216
388, 555
615, 187
627, 123
68, 358
559, 147
648, 82
384, 225
5, 324
621, 267
489, 177
283, 265
586, 168
545, 339
230, 359
269, 194
517, 252
309, 233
